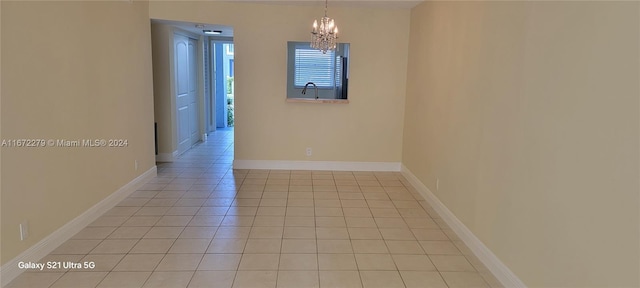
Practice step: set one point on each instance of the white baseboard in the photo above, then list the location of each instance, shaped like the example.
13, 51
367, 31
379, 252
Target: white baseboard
10, 270
316, 165
167, 157
506, 277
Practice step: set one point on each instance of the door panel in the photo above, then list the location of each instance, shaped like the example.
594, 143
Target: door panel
193, 92
183, 117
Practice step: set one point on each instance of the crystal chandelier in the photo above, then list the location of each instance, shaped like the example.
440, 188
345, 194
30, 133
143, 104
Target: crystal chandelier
324, 37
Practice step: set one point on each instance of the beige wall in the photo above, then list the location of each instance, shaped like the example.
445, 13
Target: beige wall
268, 128
527, 112
163, 98
71, 70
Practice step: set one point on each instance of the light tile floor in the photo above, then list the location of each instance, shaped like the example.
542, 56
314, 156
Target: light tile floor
200, 223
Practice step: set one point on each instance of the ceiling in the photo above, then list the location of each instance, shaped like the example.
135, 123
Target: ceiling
401, 4
227, 31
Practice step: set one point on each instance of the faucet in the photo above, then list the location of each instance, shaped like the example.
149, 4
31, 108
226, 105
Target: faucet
304, 91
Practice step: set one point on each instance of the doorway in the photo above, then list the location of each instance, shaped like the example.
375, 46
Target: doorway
222, 62
184, 84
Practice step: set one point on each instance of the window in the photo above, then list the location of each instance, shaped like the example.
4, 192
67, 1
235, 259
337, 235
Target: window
328, 72
314, 66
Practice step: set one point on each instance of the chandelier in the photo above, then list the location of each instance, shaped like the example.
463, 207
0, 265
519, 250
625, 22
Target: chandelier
325, 36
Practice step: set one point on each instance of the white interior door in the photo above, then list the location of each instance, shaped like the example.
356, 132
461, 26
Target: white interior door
186, 90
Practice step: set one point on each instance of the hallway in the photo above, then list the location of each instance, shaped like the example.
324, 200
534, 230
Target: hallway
202, 224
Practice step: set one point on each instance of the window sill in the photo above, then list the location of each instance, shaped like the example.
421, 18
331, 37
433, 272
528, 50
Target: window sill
318, 101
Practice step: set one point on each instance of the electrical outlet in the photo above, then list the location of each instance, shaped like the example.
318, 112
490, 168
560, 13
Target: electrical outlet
309, 151
135, 164
438, 184
24, 230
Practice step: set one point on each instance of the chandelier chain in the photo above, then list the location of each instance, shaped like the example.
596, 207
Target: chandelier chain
326, 2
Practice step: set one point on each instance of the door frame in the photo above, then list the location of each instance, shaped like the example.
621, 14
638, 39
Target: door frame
212, 40
200, 109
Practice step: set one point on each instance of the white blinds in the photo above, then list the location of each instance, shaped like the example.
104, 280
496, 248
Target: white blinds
313, 66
